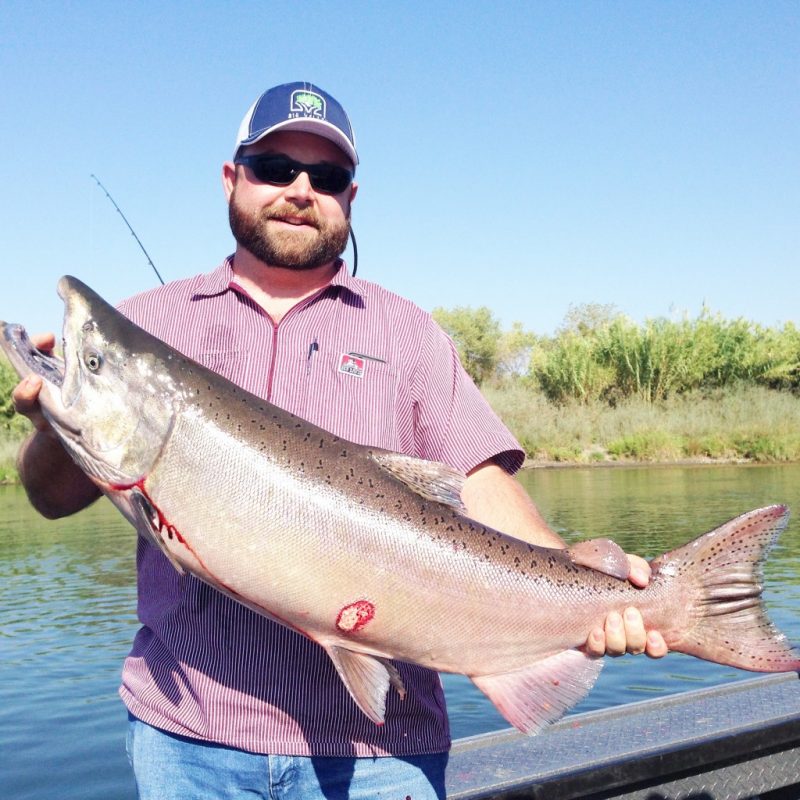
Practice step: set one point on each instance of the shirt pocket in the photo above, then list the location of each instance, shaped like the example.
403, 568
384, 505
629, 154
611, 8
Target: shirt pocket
354, 397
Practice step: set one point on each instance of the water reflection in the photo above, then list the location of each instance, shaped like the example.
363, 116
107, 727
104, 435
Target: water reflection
67, 613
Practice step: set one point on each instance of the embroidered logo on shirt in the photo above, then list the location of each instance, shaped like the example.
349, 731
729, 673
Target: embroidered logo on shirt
352, 365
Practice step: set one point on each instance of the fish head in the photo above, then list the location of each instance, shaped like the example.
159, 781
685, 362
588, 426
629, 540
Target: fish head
116, 403
110, 400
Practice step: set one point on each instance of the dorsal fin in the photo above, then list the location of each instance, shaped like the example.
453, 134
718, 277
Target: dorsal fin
429, 479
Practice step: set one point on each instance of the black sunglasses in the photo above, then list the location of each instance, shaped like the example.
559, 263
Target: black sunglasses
281, 171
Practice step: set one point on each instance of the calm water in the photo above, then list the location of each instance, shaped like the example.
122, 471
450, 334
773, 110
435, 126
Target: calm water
67, 604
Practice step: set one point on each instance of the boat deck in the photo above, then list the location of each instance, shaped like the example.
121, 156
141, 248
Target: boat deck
740, 740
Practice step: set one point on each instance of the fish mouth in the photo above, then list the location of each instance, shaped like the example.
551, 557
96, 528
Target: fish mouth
28, 360
19, 347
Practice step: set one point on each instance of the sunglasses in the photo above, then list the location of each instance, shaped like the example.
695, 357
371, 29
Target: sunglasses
283, 171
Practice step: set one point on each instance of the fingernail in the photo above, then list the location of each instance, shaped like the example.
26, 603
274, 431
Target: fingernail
614, 620
631, 614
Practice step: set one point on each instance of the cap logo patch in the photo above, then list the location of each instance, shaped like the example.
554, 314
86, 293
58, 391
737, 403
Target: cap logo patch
351, 364
306, 104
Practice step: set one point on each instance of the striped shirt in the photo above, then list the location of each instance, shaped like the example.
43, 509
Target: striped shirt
370, 367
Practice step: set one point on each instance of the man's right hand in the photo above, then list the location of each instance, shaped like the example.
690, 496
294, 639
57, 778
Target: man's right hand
26, 393
56, 486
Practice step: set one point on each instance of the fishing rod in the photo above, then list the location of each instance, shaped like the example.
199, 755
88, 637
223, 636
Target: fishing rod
150, 260
133, 232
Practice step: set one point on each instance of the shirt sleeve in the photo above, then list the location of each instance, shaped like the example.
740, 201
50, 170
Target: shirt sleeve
453, 422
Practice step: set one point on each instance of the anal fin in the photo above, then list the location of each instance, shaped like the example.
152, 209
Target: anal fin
534, 696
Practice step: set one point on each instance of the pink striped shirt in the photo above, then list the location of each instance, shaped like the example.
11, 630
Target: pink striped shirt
370, 367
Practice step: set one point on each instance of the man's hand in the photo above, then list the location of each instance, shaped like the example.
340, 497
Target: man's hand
56, 486
495, 498
26, 393
625, 633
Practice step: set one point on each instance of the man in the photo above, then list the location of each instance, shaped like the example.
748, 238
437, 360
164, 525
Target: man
223, 702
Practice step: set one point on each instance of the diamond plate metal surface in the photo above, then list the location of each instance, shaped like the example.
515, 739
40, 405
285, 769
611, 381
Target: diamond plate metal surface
735, 741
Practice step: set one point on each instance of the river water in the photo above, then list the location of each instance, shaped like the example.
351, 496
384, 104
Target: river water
67, 613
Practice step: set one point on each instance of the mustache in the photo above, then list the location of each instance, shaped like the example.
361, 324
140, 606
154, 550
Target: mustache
289, 210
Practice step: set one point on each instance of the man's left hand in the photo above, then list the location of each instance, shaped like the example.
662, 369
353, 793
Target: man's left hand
625, 633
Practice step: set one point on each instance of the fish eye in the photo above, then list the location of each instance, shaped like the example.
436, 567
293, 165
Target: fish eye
93, 361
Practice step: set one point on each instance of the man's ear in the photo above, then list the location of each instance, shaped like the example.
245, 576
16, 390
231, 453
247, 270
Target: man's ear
228, 178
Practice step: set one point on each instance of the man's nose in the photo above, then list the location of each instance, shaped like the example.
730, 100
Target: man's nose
300, 188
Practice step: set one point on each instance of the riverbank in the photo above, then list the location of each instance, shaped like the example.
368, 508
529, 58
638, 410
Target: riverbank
746, 425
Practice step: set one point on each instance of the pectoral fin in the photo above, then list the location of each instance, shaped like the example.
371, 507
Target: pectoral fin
368, 679
535, 696
145, 519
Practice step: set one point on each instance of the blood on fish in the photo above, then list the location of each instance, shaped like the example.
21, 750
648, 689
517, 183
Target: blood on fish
355, 616
163, 523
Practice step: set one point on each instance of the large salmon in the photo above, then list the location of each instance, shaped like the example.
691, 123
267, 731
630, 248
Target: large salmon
368, 552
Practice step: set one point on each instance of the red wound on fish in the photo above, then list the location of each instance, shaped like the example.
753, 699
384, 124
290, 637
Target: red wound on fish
355, 616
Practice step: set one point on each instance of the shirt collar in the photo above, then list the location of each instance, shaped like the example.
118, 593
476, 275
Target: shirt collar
216, 282
344, 279
219, 281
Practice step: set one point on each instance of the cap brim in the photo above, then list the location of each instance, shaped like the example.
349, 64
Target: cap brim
319, 127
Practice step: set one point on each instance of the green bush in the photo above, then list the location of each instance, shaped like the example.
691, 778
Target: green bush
11, 423
476, 334
568, 368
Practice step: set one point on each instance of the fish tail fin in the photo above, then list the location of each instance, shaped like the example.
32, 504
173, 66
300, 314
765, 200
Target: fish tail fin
718, 582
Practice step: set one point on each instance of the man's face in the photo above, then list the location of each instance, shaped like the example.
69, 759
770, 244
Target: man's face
292, 226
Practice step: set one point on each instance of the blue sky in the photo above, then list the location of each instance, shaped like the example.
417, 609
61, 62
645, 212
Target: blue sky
525, 156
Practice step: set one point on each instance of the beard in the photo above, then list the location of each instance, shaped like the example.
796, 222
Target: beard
301, 250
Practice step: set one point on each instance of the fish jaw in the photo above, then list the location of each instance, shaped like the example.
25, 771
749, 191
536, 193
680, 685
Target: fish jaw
26, 359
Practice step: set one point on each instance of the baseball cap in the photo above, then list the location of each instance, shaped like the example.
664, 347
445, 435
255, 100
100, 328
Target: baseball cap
298, 106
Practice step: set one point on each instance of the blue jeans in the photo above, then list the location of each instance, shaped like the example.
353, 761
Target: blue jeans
170, 767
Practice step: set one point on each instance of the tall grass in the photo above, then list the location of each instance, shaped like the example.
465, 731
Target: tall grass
749, 422
616, 359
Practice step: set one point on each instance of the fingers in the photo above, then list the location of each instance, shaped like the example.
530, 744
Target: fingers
640, 571
44, 341
25, 397
656, 646
625, 633
26, 394
596, 643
